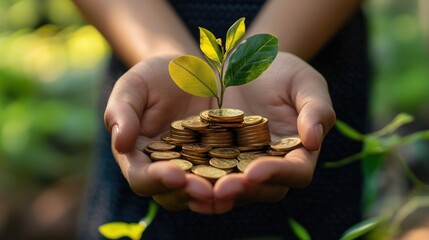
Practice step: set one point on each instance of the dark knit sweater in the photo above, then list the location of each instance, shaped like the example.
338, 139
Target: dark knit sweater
326, 208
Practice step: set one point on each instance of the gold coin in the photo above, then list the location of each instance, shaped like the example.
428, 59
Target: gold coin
261, 144
242, 165
204, 115
224, 152
200, 155
208, 172
220, 145
254, 141
177, 125
193, 157
229, 124
148, 151
223, 163
249, 128
243, 134
161, 146
226, 115
252, 119
247, 156
196, 147
167, 155
182, 164
276, 153
249, 148
194, 124
285, 144
176, 141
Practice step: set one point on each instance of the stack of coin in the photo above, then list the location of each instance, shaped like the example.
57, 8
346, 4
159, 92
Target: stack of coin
166, 155
196, 153
225, 115
218, 137
255, 134
282, 146
180, 135
217, 142
160, 148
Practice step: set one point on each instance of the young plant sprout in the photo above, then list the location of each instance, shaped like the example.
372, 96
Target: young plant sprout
247, 62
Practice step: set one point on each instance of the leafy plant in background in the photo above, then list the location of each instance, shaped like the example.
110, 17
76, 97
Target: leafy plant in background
353, 232
377, 146
249, 60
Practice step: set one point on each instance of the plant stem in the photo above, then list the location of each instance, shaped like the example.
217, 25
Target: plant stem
409, 172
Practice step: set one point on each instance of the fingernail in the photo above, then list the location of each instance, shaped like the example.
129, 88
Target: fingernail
115, 129
319, 133
115, 132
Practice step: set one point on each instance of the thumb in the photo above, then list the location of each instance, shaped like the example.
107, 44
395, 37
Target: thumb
315, 119
316, 115
123, 111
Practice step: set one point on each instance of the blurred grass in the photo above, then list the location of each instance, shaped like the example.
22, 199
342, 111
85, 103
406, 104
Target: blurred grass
50, 67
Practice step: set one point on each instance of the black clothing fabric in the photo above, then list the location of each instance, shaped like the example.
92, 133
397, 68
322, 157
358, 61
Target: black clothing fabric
326, 208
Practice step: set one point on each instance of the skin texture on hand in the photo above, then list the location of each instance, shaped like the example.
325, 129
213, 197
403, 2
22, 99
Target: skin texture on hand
144, 101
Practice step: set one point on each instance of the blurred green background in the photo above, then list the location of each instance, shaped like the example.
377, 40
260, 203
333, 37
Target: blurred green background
50, 65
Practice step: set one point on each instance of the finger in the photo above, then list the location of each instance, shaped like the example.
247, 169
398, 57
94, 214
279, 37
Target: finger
200, 192
124, 108
199, 188
172, 201
146, 178
316, 115
265, 192
245, 193
196, 196
294, 170
226, 190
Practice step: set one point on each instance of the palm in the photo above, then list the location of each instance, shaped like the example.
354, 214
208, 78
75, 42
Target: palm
280, 95
142, 105
165, 101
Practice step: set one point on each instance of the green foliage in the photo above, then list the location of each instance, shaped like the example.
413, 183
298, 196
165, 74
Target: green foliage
194, 76
299, 231
250, 59
360, 229
209, 46
234, 34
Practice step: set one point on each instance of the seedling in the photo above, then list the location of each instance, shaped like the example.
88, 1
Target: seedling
245, 61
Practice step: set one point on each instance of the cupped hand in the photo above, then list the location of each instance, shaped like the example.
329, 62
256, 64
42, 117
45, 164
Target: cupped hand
143, 103
295, 99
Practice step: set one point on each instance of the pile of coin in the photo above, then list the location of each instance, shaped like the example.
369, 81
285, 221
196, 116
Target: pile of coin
218, 142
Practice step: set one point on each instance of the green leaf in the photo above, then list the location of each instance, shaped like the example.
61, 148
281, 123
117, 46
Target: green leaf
234, 34
399, 120
361, 228
209, 45
348, 131
251, 58
193, 75
299, 230
115, 230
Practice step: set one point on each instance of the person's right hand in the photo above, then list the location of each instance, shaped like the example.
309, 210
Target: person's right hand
143, 103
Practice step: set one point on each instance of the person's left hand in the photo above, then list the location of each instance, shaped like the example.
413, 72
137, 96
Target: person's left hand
295, 99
